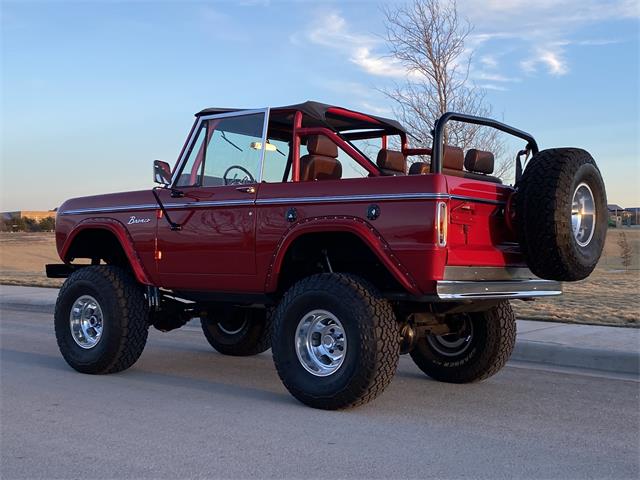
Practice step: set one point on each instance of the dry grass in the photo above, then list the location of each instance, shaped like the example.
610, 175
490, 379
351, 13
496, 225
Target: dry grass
608, 297
23, 257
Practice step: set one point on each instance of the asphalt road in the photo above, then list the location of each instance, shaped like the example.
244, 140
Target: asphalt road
185, 411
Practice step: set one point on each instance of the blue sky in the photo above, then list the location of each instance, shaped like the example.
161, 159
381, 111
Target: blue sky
92, 92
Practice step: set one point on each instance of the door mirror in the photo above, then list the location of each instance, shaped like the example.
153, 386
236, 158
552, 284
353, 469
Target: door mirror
161, 173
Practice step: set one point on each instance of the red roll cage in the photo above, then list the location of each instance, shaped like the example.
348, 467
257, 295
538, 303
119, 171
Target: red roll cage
330, 121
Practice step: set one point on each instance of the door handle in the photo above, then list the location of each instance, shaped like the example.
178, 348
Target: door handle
249, 189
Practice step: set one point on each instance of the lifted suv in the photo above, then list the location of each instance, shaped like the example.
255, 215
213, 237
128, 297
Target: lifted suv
337, 261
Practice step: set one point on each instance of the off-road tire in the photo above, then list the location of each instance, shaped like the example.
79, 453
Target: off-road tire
252, 337
125, 323
491, 345
543, 214
371, 330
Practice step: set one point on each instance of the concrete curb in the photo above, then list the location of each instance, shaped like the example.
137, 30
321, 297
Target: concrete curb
575, 357
528, 351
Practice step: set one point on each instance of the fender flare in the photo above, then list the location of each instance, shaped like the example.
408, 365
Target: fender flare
355, 225
122, 236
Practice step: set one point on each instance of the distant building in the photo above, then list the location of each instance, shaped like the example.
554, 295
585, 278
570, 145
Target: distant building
633, 215
37, 215
619, 216
615, 214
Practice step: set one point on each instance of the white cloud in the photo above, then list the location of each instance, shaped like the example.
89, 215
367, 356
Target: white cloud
541, 33
542, 28
489, 61
493, 86
376, 109
555, 64
553, 61
377, 65
333, 32
494, 77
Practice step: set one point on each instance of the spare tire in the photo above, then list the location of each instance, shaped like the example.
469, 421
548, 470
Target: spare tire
561, 214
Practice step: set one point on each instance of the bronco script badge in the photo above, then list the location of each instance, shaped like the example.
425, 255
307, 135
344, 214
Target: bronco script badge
133, 220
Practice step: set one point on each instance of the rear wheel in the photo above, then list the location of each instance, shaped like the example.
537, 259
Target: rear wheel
335, 341
101, 320
561, 214
238, 332
478, 347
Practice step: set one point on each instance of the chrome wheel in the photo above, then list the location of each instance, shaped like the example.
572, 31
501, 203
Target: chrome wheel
321, 344
583, 214
452, 344
86, 322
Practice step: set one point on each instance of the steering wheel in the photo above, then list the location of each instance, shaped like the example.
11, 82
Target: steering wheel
248, 178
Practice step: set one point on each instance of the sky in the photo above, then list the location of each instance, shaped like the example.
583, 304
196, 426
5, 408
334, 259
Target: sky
93, 91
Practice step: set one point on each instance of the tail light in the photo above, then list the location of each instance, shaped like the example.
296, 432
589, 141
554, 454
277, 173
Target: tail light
441, 224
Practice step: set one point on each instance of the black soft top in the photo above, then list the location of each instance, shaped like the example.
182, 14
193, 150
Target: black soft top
317, 114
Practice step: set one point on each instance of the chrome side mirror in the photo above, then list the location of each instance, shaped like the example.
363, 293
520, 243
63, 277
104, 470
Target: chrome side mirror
161, 173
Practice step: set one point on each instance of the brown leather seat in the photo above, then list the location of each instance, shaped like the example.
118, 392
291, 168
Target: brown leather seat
419, 168
391, 162
322, 161
480, 165
479, 161
453, 161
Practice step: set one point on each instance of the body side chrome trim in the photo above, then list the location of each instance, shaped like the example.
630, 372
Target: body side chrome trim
219, 203
168, 206
353, 198
477, 200
285, 201
122, 208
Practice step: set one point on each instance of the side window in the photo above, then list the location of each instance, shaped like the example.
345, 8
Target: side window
234, 150
192, 169
226, 151
276, 157
351, 168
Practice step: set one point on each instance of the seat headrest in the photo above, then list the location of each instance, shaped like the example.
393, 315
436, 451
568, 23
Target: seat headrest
452, 158
419, 168
321, 145
319, 167
479, 161
392, 160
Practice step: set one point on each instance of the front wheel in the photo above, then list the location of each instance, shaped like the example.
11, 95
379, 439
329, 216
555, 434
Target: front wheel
101, 320
478, 346
335, 341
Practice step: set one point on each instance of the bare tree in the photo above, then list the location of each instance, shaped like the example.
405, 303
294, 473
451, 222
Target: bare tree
428, 38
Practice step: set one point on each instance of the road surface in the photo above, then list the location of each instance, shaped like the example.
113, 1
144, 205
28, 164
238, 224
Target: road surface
185, 411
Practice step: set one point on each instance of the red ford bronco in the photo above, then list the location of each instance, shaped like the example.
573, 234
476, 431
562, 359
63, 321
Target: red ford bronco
277, 230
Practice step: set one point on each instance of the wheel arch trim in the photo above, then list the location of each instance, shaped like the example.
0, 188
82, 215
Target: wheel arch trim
340, 224
122, 236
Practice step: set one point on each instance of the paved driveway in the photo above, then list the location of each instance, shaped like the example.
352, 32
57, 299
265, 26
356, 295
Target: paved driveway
184, 411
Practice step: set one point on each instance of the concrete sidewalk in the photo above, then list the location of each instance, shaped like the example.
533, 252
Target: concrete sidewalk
607, 349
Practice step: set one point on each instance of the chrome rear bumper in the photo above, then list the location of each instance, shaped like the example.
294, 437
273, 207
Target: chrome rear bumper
461, 283
486, 290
